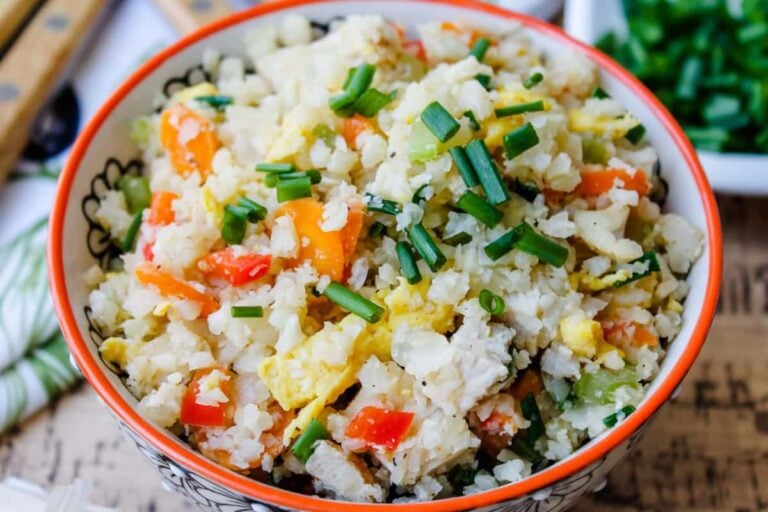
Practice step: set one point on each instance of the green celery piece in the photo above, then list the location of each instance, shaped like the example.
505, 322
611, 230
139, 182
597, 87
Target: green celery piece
599, 387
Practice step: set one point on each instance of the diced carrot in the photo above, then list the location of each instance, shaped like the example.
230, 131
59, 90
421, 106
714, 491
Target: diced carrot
161, 209
190, 140
354, 126
529, 382
193, 413
594, 183
350, 233
620, 333
237, 269
449, 26
171, 286
324, 249
380, 428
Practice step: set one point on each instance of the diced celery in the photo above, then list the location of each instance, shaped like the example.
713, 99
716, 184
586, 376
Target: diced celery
599, 387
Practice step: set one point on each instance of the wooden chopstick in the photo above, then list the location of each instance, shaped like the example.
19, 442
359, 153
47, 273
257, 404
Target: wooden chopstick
13, 13
33, 65
189, 15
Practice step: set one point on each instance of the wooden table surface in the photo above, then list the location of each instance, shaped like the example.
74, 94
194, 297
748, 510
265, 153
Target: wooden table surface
706, 452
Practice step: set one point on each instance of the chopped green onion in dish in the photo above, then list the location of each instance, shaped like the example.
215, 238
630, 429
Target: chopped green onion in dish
247, 311
275, 167
460, 238
525, 238
305, 444
358, 81
426, 247
491, 302
274, 178
527, 191
525, 449
234, 223
534, 106
372, 101
408, 262
650, 259
377, 229
520, 140
480, 209
635, 134
326, 134
485, 81
256, 212
480, 48
533, 80
420, 195
353, 302
496, 190
464, 166
136, 191
472, 120
600, 93
613, 419
288, 190
531, 412
594, 150
129, 241
216, 101
379, 205
439, 121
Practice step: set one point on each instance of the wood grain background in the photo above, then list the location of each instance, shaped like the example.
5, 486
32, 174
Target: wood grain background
706, 452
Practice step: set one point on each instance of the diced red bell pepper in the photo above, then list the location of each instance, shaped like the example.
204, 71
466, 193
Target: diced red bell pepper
236, 269
193, 413
378, 427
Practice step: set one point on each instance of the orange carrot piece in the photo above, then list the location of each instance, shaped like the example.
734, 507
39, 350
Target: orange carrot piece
171, 286
325, 249
161, 209
599, 182
354, 126
190, 140
529, 382
350, 233
620, 333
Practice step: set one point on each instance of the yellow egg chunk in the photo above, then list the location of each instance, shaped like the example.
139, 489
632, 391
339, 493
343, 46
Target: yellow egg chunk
114, 350
615, 127
588, 282
581, 335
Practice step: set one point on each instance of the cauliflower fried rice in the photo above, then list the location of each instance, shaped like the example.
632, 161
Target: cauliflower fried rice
380, 268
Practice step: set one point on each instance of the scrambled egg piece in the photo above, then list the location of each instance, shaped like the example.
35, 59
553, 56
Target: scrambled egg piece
585, 337
317, 371
587, 282
498, 128
190, 93
210, 204
115, 350
615, 127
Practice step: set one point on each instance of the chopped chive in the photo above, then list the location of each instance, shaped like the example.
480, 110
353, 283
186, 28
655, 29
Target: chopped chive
501, 245
524, 449
408, 262
133, 230
136, 191
689, 78
525, 238
372, 101
256, 212
439, 121
418, 196
480, 209
532, 80
274, 178
275, 167
357, 83
377, 204
612, 419
526, 190
594, 150
600, 93
353, 302
341, 101
464, 166
491, 302
377, 229
298, 188
216, 101
485, 81
472, 120
426, 247
234, 223
520, 140
480, 48
247, 311
635, 134
531, 413
653, 266
534, 106
488, 175
305, 444
460, 238
324, 133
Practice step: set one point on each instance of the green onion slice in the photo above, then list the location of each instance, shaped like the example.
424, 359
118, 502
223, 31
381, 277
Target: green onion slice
439, 121
426, 247
464, 166
275, 167
600, 93
357, 83
524, 449
653, 266
520, 140
534, 106
472, 120
612, 419
274, 178
136, 191
532, 80
234, 223
256, 212
372, 101
635, 134
216, 101
418, 196
377, 204
531, 412
305, 444
353, 302
491, 302
525, 238
288, 190
487, 173
485, 81
129, 241
526, 190
480, 48
377, 229
480, 209
408, 262
247, 311
460, 238
326, 134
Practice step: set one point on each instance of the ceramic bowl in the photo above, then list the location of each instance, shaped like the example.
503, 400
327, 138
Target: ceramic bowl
104, 152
